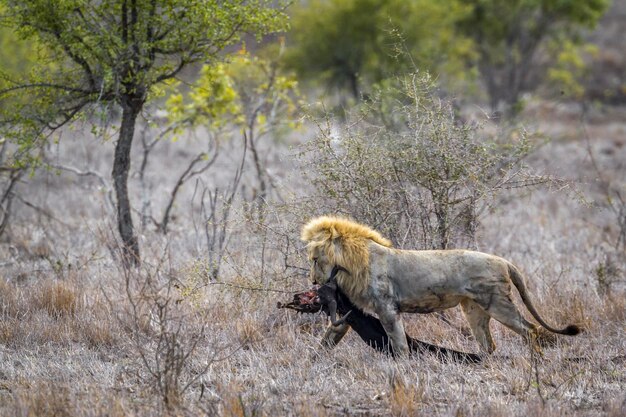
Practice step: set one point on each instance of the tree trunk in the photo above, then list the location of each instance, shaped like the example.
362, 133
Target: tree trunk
121, 167
354, 85
261, 198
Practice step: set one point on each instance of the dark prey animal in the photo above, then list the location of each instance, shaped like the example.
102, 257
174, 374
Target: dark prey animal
327, 295
367, 327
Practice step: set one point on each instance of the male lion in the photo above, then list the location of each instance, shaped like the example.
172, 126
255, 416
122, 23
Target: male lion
386, 281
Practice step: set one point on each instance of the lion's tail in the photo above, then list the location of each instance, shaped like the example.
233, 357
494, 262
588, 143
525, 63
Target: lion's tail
518, 281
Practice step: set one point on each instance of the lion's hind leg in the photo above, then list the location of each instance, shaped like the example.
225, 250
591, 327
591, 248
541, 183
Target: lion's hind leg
478, 320
501, 308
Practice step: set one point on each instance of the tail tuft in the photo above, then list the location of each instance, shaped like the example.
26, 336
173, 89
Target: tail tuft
571, 330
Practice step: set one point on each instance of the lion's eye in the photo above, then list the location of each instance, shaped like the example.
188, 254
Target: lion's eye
315, 260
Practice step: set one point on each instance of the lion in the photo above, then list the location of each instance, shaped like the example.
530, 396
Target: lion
380, 279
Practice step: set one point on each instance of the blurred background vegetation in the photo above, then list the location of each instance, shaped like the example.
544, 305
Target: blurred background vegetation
485, 51
494, 55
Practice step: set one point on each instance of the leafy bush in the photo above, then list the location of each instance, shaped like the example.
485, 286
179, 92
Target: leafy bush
406, 165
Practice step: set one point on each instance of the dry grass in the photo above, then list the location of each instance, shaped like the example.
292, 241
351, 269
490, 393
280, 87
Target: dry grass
66, 331
58, 299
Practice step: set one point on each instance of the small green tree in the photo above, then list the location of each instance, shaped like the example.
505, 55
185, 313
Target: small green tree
257, 97
508, 34
116, 52
254, 95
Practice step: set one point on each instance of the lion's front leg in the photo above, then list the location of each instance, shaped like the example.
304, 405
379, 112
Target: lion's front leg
334, 334
392, 323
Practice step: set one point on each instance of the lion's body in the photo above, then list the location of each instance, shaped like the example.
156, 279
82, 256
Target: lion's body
388, 281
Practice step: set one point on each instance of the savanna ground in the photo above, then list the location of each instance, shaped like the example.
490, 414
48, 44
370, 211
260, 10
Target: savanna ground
81, 335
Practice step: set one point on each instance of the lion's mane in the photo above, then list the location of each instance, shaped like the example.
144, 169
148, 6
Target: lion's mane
345, 243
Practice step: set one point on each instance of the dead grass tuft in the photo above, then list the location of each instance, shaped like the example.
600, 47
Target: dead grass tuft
405, 398
44, 400
99, 334
248, 333
7, 331
8, 299
236, 402
97, 325
615, 308
58, 299
54, 399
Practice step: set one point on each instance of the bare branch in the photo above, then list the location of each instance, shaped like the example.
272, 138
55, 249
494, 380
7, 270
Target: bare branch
103, 182
47, 85
43, 211
186, 175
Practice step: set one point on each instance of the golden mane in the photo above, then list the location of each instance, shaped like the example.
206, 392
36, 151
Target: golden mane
345, 243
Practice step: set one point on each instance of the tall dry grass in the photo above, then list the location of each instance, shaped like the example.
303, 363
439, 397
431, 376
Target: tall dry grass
70, 344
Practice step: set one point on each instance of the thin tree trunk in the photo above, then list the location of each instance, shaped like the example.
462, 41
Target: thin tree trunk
260, 172
354, 85
7, 199
181, 180
121, 167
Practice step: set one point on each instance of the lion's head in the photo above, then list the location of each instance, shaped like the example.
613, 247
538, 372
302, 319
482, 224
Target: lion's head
337, 241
